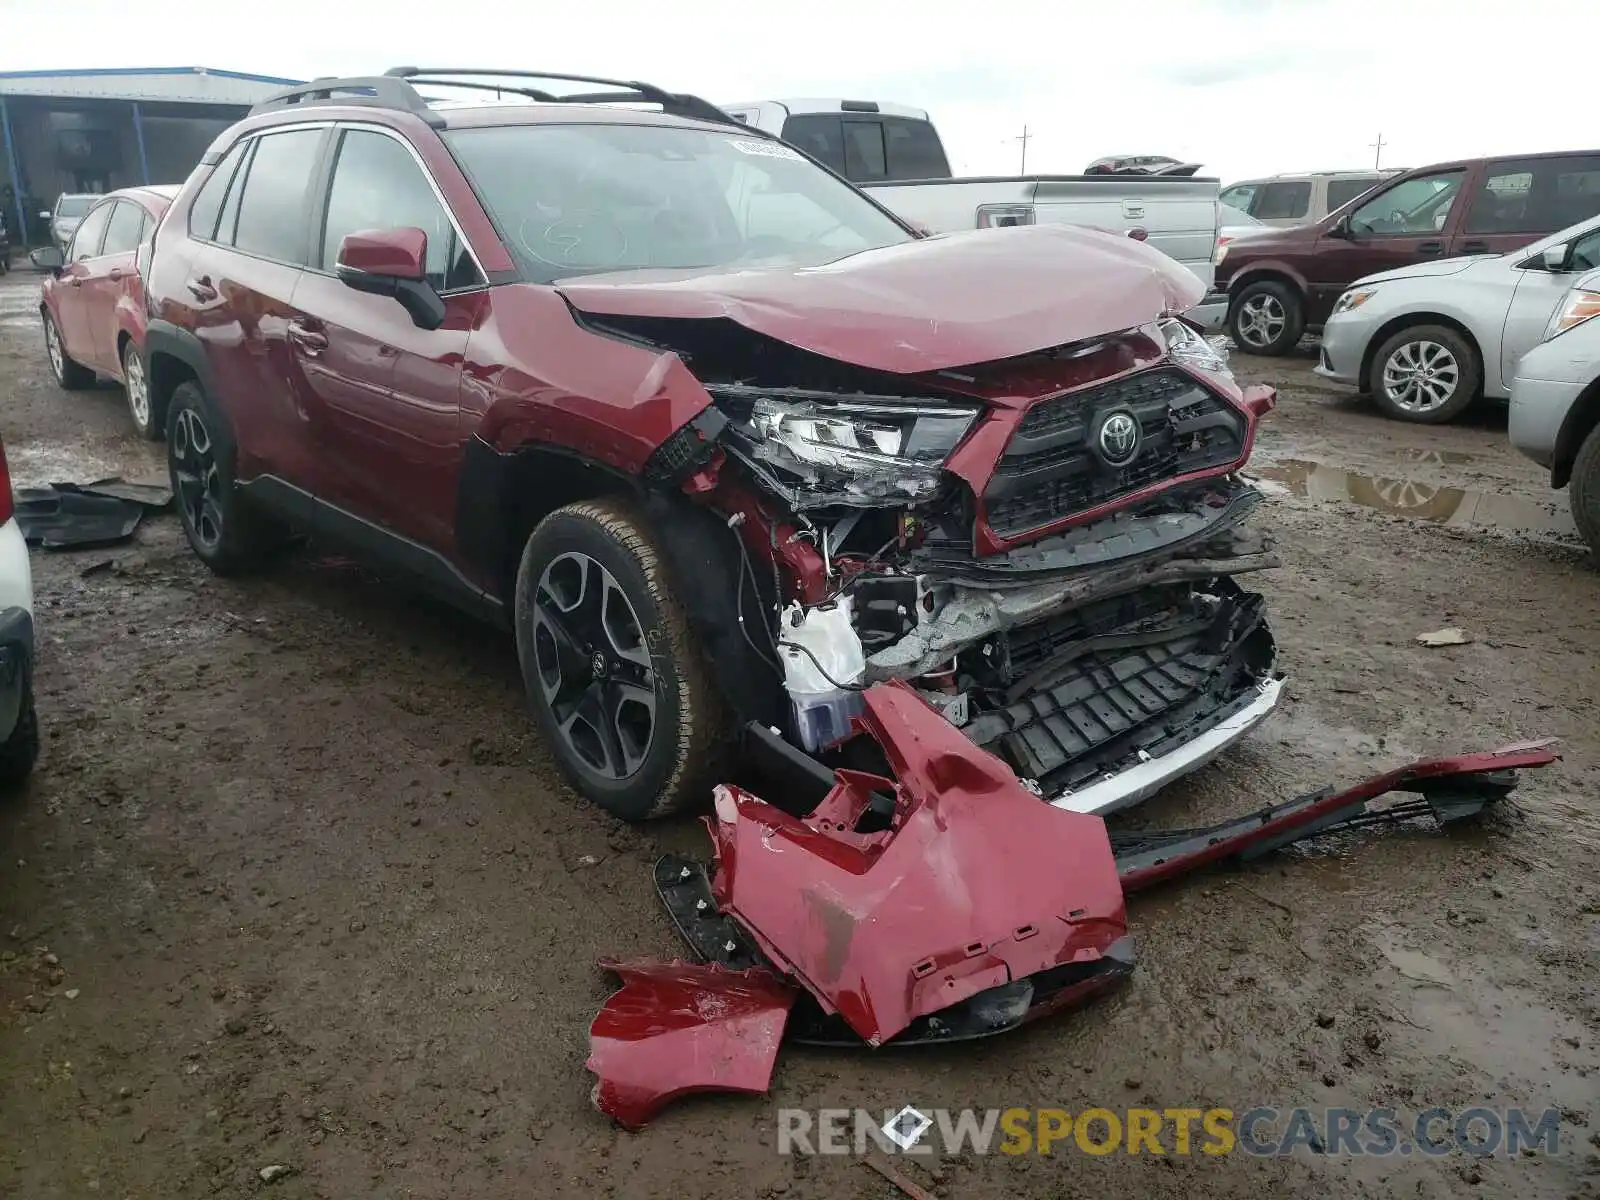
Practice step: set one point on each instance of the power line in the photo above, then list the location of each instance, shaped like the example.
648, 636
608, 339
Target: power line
1024, 140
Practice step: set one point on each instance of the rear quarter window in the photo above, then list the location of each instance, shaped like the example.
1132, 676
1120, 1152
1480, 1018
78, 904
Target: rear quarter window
208, 201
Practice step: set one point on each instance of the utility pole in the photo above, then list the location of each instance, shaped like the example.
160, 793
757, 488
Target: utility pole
1024, 140
1377, 147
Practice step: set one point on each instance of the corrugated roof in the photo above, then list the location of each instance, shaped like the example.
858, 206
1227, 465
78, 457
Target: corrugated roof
181, 85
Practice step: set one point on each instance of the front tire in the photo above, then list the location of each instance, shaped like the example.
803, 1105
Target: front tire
71, 376
1266, 318
1583, 491
1425, 374
223, 530
616, 679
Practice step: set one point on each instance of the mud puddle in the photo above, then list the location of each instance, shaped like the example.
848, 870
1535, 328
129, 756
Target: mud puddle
1460, 508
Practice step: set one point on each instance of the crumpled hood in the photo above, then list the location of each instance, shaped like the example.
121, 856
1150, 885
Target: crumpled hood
1427, 270
925, 305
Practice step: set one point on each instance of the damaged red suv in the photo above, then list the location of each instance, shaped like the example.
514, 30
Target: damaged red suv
720, 438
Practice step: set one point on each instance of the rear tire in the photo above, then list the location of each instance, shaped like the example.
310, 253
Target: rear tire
134, 382
71, 376
1266, 318
225, 532
616, 679
1424, 374
1583, 490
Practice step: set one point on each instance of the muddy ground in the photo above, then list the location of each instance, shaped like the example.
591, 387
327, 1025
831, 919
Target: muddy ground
292, 885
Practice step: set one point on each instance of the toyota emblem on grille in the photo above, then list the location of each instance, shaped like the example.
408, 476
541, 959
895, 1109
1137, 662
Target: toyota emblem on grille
1118, 439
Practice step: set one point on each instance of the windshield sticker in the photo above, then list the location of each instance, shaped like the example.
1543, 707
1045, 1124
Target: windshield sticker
764, 149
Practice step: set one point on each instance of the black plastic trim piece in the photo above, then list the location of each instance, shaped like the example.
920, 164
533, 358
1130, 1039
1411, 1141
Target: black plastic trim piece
432, 572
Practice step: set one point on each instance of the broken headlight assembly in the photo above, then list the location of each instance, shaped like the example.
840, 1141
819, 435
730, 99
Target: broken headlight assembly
859, 449
1188, 346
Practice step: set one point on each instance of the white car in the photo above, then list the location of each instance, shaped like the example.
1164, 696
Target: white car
1555, 404
1426, 339
19, 726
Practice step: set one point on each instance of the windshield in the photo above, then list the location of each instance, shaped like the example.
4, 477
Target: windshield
580, 199
74, 206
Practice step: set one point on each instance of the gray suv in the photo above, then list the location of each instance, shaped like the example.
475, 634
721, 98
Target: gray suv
1301, 199
1555, 403
71, 207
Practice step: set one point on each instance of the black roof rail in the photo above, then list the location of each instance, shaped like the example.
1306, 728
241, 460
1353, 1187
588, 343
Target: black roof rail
371, 91
629, 91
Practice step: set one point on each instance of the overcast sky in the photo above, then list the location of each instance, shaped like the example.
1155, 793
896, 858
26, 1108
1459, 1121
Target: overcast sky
1244, 86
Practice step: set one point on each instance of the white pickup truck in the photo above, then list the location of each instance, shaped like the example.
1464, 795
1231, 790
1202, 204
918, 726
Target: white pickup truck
895, 153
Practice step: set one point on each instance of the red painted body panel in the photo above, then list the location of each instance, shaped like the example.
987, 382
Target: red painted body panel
381, 419
536, 375
677, 1028
927, 305
977, 882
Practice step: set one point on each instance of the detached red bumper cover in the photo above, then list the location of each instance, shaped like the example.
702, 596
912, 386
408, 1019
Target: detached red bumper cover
975, 882
948, 902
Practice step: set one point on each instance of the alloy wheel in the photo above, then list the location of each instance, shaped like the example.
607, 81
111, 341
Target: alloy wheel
194, 469
138, 392
1261, 320
593, 666
52, 345
1420, 376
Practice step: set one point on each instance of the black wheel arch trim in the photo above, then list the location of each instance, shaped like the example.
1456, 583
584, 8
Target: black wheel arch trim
163, 338
1581, 419
493, 517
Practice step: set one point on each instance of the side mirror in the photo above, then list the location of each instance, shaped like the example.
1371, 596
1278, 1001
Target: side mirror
48, 258
1555, 257
44, 214
1340, 228
392, 262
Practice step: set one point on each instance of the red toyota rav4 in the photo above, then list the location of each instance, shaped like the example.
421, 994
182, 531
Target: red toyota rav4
720, 438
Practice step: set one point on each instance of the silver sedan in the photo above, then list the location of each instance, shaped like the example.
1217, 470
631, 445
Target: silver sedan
1427, 339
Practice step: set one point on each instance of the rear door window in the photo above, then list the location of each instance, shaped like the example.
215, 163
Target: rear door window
1536, 195
274, 206
820, 135
1283, 201
122, 234
912, 150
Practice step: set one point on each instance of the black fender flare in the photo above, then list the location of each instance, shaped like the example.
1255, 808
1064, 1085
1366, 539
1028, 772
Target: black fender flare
502, 495
164, 340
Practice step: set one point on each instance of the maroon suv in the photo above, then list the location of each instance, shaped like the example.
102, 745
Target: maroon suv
722, 440
1282, 282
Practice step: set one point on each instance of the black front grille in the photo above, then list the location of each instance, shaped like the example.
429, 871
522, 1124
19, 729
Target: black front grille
1051, 469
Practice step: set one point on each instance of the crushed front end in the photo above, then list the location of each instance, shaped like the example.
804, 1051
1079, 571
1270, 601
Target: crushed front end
1047, 547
